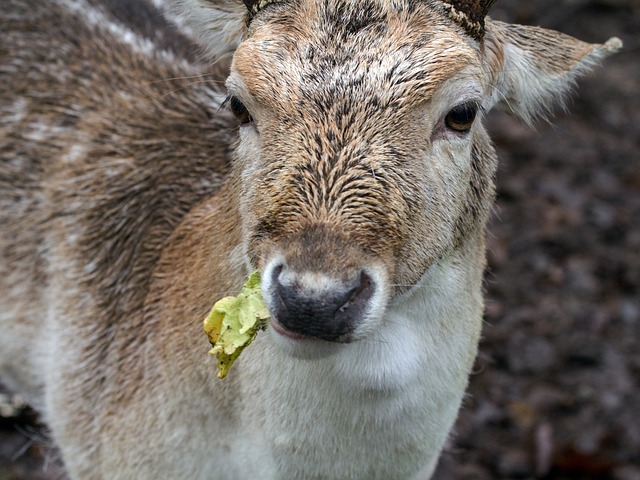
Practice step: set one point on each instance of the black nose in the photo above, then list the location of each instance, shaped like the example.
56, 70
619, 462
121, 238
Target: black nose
330, 311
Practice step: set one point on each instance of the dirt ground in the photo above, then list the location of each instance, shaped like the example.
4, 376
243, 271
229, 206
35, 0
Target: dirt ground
556, 390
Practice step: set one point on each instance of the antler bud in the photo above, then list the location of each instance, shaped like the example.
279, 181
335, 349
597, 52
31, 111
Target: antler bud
469, 14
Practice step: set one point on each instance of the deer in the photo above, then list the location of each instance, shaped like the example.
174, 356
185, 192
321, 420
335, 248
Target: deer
154, 154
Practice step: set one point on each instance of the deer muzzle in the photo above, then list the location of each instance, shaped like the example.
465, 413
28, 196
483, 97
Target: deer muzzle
322, 289
312, 305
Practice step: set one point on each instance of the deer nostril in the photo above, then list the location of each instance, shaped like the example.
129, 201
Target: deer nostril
329, 309
360, 294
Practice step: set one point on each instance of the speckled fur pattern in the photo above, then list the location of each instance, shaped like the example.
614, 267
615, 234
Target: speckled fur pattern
130, 200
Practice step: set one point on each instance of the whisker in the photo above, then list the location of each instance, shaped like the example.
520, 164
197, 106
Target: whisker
185, 77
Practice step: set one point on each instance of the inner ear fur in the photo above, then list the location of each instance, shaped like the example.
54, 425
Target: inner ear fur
532, 68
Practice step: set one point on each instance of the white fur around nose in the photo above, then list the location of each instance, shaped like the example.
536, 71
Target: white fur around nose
311, 283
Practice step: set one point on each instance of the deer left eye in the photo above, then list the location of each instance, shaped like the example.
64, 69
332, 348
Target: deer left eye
239, 110
461, 117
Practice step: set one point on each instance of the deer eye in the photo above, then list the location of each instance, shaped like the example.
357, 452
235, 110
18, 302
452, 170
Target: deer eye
239, 110
461, 117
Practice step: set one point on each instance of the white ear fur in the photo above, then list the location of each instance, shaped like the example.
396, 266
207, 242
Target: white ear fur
217, 25
532, 68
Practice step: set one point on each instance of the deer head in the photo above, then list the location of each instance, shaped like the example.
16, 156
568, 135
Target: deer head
362, 158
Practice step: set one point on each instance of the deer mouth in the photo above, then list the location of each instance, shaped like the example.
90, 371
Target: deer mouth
287, 333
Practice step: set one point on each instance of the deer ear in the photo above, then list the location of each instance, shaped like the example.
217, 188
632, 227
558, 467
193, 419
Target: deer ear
217, 25
532, 68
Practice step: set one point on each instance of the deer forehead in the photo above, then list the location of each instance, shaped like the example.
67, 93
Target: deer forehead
311, 57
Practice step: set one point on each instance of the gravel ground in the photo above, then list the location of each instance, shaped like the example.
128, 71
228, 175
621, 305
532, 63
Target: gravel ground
556, 390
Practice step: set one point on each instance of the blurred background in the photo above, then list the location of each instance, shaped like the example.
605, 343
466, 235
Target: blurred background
556, 389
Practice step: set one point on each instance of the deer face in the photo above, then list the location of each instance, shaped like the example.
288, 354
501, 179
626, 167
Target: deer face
362, 160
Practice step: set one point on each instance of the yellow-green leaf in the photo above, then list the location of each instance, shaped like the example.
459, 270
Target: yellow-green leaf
233, 323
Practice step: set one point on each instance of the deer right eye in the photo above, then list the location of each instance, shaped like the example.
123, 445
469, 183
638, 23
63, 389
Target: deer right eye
239, 111
461, 117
